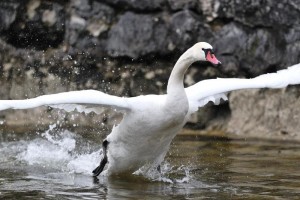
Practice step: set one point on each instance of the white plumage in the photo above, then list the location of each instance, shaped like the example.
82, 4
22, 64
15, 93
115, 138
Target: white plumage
151, 122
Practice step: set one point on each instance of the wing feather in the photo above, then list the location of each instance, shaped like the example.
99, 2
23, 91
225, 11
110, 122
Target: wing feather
211, 90
214, 89
70, 100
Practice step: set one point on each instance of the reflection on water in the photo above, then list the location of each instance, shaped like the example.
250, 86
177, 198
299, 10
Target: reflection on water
58, 165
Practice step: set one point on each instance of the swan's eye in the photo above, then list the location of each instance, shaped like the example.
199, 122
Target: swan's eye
206, 51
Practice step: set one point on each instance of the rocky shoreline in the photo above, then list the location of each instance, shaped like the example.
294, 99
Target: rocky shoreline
128, 48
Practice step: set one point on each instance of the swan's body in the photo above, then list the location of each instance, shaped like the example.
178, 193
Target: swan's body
151, 122
144, 135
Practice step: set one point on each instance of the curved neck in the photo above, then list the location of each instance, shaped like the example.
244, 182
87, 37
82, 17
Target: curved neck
175, 83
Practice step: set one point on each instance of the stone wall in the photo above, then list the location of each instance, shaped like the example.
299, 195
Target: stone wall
128, 47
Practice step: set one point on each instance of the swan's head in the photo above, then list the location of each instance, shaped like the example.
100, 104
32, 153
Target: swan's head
202, 51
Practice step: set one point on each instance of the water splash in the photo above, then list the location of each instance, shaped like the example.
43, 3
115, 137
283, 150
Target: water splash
65, 151
166, 174
58, 150
66, 141
85, 163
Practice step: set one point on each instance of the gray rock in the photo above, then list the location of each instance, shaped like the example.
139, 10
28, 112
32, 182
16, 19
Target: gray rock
129, 38
291, 52
38, 25
8, 13
229, 45
262, 52
260, 13
251, 51
88, 21
264, 113
140, 5
184, 4
187, 28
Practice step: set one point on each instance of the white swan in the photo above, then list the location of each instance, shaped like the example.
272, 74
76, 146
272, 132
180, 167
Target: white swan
151, 122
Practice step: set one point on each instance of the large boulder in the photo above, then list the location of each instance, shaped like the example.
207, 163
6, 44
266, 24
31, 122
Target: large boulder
263, 113
137, 35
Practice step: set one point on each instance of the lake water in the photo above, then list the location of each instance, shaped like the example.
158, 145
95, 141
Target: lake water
58, 164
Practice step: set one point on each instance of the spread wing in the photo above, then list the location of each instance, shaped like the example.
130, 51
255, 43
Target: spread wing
214, 89
82, 101
199, 94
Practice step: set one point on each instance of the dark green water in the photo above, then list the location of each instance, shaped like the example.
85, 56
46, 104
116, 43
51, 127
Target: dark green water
43, 166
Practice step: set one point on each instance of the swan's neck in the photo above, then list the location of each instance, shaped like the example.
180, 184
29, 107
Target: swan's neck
177, 101
175, 86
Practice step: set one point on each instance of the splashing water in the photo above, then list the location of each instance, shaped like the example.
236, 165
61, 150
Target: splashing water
59, 151
166, 174
58, 164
